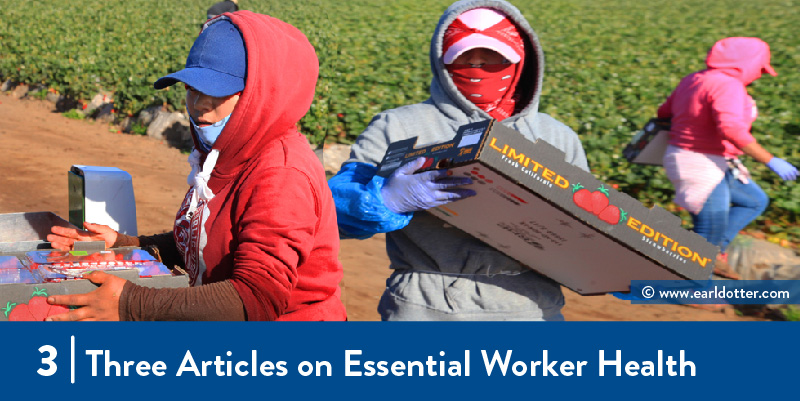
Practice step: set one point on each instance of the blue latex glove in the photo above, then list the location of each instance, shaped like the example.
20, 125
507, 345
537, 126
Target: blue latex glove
360, 211
406, 192
783, 169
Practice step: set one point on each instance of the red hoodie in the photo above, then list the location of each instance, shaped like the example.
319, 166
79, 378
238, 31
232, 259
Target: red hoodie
711, 111
270, 227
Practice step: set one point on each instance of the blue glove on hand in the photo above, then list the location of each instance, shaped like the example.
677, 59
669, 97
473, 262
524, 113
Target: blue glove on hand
783, 169
406, 192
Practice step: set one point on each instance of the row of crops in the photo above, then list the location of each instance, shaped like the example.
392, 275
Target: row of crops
609, 65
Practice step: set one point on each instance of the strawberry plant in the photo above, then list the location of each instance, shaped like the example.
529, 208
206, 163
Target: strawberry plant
608, 66
74, 114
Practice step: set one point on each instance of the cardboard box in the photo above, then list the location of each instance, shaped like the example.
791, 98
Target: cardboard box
14, 296
649, 144
20, 232
24, 233
554, 217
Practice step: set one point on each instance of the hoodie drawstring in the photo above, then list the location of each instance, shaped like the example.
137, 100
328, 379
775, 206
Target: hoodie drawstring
198, 178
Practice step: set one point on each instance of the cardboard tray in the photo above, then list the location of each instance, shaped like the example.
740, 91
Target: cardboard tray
15, 295
23, 232
538, 209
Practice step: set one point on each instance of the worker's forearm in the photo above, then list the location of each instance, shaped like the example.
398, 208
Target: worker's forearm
758, 153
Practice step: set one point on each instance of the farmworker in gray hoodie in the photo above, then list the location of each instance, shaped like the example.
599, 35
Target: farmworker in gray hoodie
487, 63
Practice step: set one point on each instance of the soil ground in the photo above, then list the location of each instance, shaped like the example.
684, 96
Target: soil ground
41, 145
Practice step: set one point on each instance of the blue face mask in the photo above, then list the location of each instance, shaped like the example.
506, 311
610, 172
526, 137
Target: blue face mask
209, 134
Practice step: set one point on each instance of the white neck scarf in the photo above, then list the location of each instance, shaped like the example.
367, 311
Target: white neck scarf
198, 178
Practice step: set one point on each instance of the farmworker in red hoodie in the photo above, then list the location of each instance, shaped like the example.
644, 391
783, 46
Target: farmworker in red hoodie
487, 62
711, 114
257, 229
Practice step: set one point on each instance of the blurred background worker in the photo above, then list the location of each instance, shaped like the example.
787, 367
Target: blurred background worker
712, 114
222, 7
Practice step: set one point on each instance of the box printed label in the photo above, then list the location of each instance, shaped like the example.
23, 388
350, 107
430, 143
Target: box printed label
596, 202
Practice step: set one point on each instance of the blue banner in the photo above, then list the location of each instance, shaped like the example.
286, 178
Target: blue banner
375, 360
731, 292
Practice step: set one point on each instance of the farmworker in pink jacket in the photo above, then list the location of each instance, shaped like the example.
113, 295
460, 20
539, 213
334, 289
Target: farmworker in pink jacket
711, 115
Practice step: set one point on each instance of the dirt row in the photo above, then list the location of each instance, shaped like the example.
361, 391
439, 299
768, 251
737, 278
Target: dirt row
41, 146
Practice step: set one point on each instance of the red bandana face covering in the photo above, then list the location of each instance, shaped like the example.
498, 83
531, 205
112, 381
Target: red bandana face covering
490, 86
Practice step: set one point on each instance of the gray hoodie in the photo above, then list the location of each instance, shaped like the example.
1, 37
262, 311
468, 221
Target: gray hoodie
440, 272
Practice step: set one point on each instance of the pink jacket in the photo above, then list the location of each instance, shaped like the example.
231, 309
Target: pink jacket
711, 111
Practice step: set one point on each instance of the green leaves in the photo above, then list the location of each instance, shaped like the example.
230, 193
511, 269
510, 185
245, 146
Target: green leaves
83, 49
9, 306
608, 65
611, 64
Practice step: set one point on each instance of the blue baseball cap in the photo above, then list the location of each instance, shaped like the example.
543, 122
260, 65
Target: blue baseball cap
217, 63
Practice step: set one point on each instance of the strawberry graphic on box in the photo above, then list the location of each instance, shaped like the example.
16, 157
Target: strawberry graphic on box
582, 197
599, 200
36, 310
611, 215
598, 204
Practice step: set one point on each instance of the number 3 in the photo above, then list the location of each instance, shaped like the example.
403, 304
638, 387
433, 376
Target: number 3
51, 351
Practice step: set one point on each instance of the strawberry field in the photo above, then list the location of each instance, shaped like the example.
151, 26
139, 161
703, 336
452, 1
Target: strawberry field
609, 65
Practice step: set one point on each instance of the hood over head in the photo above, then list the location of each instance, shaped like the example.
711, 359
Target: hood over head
282, 71
443, 90
743, 58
